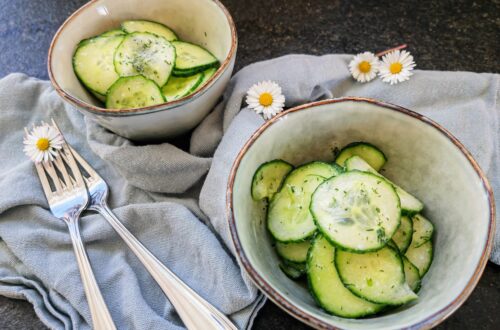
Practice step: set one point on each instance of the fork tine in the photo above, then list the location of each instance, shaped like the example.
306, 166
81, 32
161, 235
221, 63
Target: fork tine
93, 175
83, 162
77, 175
45, 182
66, 159
49, 168
59, 164
70, 160
79, 159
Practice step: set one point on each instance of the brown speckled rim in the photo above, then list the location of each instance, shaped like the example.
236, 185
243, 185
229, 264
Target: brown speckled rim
139, 111
430, 321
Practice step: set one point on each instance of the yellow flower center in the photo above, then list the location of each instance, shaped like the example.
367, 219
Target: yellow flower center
266, 99
396, 68
43, 144
364, 67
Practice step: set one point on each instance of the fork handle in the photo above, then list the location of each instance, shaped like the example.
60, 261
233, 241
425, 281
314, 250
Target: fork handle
101, 319
195, 312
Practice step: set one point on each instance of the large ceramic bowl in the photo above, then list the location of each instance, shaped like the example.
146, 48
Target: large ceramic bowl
423, 158
204, 22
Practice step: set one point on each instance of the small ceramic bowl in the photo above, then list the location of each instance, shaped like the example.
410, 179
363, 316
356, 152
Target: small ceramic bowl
423, 158
204, 22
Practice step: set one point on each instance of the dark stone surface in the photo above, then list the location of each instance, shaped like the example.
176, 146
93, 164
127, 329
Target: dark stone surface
442, 35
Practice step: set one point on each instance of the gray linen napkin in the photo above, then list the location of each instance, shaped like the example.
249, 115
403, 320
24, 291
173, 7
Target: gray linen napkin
162, 195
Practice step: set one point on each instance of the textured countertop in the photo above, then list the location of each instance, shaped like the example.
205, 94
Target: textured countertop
442, 35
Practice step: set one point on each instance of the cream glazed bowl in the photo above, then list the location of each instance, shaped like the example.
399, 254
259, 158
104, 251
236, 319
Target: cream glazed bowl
203, 22
422, 157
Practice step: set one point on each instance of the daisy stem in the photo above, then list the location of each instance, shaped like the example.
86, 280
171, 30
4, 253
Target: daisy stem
403, 46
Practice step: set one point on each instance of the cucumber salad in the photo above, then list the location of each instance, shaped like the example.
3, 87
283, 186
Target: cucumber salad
141, 64
359, 239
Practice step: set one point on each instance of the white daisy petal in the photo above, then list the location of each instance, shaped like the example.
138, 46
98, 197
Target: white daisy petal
364, 67
252, 93
38, 157
272, 104
404, 58
52, 143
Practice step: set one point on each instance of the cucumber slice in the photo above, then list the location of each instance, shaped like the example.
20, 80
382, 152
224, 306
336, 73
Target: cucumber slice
300, 266
268, 178
408, 202
421, 257
93, 63
100, 97
422, 230
412, 275
356, 211
392, 244
371, 154
133, 92
375, 276
402, 236
294, 252
112, 33
207, 74
192, 59
151, 27
292, 272
178, 87
288, 218
146, 54
326, 287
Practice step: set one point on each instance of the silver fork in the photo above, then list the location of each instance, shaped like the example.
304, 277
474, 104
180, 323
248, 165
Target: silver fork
195, 312
67, 198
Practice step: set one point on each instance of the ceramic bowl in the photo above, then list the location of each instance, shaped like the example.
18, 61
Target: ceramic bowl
204, 22
423, 158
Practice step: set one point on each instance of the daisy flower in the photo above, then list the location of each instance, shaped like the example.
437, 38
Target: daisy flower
396, 67
364, 67
266, 98
42, 143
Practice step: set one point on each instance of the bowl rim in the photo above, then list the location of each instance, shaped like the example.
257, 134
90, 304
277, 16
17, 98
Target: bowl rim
431, 320
144, 110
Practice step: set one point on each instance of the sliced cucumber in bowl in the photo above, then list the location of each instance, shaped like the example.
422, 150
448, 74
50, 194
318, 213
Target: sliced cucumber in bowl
146, 48
100, 97
412, 275
133, 92
288, 217
422, 230
145, 54
421, 256
150, 27
192, 59
409, 203
421, 250
291, 271
93, 63
114, 32
178, 87
375, 276
293, 252
327, 287
207, 74
268, 178
403, 236
356, 211
364, 253
371, 154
